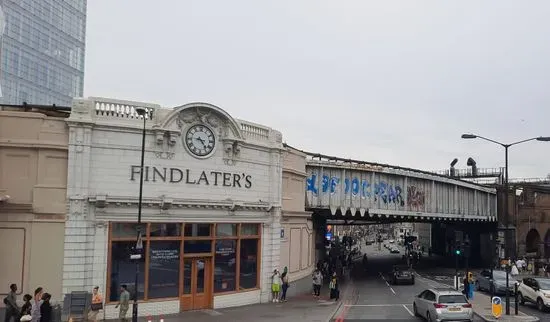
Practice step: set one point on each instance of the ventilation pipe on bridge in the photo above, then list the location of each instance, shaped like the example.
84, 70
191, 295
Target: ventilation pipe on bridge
452, 170
472, 163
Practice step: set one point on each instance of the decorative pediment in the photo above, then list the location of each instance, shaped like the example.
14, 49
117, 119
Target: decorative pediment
193, 113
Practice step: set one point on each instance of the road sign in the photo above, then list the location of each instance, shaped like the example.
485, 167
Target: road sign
328, 236
496, 306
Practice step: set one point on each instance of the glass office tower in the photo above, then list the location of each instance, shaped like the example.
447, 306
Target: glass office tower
42, 51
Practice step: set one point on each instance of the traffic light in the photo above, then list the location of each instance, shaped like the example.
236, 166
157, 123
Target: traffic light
458, 252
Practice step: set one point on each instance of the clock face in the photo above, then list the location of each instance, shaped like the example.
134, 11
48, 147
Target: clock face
200, 140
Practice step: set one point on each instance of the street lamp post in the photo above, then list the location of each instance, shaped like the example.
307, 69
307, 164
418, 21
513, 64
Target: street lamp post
139, 244
506, 191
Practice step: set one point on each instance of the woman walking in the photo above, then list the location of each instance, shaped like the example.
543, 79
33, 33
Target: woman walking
317, 282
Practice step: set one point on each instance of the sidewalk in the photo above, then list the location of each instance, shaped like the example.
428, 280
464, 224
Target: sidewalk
481, 304
303, 308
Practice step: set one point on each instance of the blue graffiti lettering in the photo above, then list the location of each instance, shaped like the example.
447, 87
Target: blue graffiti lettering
388, 193
310, 184
399, 197
334, 181
355, 186
365, 189
380, 191
324, 184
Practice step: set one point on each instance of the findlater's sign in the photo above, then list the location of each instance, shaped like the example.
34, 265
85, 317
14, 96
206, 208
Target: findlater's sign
188, 176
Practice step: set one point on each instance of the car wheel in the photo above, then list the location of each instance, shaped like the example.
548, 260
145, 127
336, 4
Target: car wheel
428, 317
540, 305
415, 311
521, 300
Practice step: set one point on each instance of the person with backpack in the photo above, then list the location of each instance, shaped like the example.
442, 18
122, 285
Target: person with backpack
12, 309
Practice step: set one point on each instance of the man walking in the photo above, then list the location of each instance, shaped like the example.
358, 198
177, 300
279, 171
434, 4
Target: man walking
124, 302
12, 309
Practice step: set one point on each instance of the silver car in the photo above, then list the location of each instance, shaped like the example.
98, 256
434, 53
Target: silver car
442, 304
496, 283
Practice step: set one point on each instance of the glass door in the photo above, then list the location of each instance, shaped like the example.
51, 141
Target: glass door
197, 293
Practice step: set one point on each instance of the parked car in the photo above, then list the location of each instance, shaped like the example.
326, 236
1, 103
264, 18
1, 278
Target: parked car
401, 273
394, 250
495, 284
535, 290
442, 304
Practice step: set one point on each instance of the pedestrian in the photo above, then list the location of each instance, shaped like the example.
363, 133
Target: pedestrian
284, 279
26, 309
12, 309
46, 308
317, 282
275, 285
333, 286
97, 304
123, 303
36, 303
514, 271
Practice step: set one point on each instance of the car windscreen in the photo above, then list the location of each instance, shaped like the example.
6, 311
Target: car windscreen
449, 299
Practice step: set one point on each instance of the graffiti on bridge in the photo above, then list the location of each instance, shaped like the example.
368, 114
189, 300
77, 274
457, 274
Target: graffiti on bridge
415, 198
381, 190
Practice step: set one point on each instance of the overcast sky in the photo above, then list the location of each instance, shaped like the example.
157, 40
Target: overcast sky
395, 82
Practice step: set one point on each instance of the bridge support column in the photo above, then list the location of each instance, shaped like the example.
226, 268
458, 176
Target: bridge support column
319, 228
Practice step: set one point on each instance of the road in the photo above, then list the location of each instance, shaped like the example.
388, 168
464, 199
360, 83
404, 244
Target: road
446, 277
373, 298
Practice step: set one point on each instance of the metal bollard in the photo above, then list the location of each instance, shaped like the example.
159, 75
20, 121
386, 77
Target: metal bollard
516, 298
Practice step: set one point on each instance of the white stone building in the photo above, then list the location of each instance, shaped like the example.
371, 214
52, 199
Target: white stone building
211, 210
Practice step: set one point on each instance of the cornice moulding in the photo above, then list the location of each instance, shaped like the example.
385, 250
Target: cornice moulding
102, 201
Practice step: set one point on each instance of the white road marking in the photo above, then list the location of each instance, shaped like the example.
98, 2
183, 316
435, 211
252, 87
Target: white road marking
387, 284
406, 308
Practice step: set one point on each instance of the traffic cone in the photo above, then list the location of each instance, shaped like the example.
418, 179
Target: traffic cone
161, 318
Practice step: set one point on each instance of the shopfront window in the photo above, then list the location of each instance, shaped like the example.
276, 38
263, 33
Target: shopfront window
164, 269
226, 230
197, 246
248, 264
249, 229
123, 271
165, 230
225, 270
197, 230
127, 230
232, 248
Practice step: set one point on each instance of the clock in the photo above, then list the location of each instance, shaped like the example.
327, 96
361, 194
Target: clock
200, 140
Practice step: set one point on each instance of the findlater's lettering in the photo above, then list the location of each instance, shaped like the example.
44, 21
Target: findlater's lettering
176, 175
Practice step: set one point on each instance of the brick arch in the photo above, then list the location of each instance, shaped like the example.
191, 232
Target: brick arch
532, 241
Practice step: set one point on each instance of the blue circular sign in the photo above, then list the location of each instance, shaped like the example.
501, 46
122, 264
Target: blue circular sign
497, 300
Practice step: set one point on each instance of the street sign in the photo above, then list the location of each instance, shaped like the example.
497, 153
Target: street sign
328, 236
496, 306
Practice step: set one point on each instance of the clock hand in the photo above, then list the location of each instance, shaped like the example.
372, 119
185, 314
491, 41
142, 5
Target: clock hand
202, 141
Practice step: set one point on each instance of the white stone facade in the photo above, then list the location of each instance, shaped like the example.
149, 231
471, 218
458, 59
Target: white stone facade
243, 172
